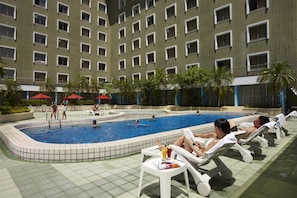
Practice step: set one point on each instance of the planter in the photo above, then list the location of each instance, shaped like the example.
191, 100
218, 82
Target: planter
16, 117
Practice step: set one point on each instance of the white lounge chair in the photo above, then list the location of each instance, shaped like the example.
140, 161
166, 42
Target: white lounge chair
194, 163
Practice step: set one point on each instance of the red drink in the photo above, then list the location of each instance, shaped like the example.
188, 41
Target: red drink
169, 152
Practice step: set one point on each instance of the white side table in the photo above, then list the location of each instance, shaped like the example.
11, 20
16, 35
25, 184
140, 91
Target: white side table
164, 176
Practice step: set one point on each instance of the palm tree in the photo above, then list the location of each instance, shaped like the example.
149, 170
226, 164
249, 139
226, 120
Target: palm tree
70, 88
279, 77
161, 81
219, 80
12, 91
48, 87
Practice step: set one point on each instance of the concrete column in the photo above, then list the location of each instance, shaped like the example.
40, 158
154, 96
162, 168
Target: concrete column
236, 95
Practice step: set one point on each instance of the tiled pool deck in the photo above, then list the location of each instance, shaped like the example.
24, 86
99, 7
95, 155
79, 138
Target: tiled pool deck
119, 177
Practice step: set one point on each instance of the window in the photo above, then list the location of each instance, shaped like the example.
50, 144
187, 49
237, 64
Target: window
223, 39
223, 13
40, 57
85, 32
253, 5
136, 44
39, 76
192, 24
40, 39
40, 19
85, 48
189, 4
227, 62
86, 17
150, 20
192, 47
257, 61
7, 10
64, 26
62, 78
171, 71
63, 61
102, 36
192, 65
86, 2
41, 3
102, 7
102, 79
170, 32
136, 10
170, 52
136, 61
258, 31
170, 11
63, 8
150, 39
122, 49
136, 27
101, 51
101, 66
149, 4
122, 64
7, 31
122, 3
136, 77
63, 43
122, 78
7, 52
150, 74
122, 33
122, 17
101, 22
9, 73
85, 64
150, 57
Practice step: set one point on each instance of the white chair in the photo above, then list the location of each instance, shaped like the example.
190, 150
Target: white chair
194, 163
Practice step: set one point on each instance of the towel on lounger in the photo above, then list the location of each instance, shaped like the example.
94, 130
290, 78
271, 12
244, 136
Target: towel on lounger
281, 119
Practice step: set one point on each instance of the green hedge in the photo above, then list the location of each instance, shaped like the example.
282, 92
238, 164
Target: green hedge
9, 109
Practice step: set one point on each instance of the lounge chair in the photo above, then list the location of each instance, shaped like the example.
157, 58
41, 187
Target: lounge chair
194, 163
255, 141
280, 130
291, 114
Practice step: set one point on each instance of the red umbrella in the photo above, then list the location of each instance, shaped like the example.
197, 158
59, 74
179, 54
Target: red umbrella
40, 96
74, 96
103, 97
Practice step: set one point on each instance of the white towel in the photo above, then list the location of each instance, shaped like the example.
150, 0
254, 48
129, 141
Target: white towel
292, 114
281, 119
229, 138
270, 124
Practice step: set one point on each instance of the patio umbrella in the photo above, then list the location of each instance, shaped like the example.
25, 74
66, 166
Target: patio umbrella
40, 96
74, 96
103, 97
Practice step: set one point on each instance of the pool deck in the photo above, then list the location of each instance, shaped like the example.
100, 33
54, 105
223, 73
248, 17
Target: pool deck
119, 177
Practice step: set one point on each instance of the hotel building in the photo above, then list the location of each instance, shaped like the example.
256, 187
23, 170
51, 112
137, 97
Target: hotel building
131, 39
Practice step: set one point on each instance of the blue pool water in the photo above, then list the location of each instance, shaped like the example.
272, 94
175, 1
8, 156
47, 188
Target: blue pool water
111, 131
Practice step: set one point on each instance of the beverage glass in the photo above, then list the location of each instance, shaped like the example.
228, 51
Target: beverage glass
169, 152
164, 152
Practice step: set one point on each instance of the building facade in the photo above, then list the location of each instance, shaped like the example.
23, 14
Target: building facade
131, 39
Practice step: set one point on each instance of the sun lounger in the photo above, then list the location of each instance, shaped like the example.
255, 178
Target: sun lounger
195, 163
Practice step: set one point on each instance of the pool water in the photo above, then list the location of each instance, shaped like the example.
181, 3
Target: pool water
111, 131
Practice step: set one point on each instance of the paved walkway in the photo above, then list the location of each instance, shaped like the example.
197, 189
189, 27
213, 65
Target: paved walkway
120, 177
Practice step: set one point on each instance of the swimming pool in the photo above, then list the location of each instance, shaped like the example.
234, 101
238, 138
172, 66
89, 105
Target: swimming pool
111, 131
26, 148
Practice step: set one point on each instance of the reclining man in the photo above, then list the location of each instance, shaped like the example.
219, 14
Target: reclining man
261, 120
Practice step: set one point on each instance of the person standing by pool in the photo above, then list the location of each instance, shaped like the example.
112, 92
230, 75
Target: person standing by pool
54, 110
65, 105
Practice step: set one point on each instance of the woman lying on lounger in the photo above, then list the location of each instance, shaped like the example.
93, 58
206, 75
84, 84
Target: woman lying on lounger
222, 128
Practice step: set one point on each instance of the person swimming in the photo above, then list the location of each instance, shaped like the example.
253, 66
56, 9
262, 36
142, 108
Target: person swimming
94, 123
